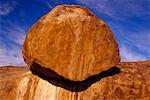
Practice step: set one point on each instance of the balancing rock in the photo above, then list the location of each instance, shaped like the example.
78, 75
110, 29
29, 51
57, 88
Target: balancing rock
73, 42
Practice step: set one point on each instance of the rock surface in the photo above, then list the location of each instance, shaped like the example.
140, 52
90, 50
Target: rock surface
71, 41
73, 55
132, 83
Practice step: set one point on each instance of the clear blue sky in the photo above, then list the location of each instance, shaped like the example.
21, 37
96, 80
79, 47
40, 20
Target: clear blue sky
128, 19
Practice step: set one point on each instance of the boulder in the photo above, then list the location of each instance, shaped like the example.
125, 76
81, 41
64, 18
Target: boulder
73, 42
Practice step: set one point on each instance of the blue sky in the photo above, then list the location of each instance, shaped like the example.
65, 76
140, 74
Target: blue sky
128, 19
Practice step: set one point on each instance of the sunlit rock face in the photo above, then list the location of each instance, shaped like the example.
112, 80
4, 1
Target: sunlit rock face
132, 83
72, 55
71, 41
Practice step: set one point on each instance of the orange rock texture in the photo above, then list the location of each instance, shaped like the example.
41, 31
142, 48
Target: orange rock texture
132, 83
73, 42
72, 55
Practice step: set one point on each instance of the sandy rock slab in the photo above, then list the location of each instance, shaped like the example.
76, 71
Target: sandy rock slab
71, 41
132, 83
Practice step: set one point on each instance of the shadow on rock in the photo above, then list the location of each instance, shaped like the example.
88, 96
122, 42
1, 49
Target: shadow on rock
74, 86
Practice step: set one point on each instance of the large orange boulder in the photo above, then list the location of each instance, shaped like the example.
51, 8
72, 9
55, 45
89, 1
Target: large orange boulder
73, 42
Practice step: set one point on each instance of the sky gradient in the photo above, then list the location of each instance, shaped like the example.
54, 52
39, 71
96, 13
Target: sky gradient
128, 19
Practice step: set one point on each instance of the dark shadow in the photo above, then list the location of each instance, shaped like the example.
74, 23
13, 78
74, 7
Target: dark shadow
74, 86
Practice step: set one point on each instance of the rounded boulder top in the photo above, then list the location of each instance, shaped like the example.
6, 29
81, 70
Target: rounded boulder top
73, 42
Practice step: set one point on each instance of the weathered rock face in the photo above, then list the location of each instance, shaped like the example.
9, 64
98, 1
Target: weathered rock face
11, 81
132, 83
71, 41
72, 55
